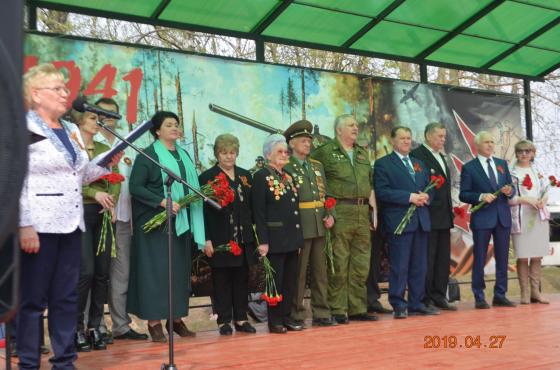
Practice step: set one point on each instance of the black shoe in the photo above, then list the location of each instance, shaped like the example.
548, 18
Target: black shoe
502, 302
293, 325
481, 305
324, 322
445, 305
400, 313
340, 319
362, 317
80, 340
424, 310
245, 327
226, 329
277, 329
96, 340
377, 307
131, 334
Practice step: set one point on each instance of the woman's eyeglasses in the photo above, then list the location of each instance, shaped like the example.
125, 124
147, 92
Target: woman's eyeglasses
59, 89
524, 151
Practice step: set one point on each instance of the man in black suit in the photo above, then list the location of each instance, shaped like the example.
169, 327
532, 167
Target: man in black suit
441, 215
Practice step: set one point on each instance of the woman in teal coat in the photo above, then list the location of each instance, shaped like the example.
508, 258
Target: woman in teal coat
147, 292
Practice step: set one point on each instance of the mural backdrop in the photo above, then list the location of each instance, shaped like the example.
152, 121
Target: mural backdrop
250, 100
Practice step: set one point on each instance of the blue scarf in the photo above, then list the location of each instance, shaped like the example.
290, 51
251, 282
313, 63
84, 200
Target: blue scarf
182, 223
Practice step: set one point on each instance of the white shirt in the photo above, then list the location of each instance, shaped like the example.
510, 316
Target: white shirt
438, 156
123, 207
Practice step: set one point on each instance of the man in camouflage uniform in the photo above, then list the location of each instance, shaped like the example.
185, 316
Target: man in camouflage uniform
349, 180
309, 178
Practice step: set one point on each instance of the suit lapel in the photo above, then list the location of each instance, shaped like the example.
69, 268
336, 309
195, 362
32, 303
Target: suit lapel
399, 163
482, 173
500, 177
434, 162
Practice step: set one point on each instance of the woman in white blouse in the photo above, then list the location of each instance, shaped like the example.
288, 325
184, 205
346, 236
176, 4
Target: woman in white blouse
51, 220
530, 229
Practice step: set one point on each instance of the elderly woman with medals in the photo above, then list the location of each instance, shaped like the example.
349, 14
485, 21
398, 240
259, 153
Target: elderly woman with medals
279, 233
231, 225
147, 292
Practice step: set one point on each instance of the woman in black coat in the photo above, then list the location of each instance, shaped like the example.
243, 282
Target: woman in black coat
277, 221
232, 223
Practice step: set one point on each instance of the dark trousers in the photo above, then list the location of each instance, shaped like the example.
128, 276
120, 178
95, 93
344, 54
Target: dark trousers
408, 258
437, 276
481, 238
94, 270
49, 279
373, 291
230, 293
285, 267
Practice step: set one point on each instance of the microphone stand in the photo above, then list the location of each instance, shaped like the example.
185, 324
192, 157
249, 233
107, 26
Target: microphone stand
171, 177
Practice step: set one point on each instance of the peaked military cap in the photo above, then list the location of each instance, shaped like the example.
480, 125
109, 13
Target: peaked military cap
299, 128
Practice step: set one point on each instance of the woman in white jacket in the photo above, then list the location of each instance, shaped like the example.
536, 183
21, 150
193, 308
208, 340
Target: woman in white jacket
51, 220
529, 227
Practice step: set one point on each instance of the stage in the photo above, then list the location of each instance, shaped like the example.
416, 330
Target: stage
524, 337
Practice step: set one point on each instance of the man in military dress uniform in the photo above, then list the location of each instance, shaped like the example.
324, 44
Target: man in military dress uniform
349, 180
309, 178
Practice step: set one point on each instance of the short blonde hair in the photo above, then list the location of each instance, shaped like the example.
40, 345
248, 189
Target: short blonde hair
225, 142
34, 74
525, 144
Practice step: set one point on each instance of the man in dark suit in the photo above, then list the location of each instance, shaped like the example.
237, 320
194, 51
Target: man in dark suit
399, 181
441, 216
481, 178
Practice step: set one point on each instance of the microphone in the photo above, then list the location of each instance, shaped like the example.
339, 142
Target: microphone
81, 105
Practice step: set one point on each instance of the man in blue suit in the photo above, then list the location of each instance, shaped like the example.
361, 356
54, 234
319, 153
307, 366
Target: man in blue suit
399, 181
480, 179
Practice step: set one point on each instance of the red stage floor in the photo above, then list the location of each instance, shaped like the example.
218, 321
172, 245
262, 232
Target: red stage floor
529, 337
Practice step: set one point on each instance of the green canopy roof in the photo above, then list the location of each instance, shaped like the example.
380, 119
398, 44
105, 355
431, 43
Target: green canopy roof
519, 38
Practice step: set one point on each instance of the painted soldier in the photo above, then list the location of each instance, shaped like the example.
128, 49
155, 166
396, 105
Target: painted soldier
349, 179
309, 178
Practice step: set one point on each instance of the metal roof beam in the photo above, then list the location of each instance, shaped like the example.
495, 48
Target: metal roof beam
264, 23
160, 8
522, 43
549, 70
365, 29
463, 26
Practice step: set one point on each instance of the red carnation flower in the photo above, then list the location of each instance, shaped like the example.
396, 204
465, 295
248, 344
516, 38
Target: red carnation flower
527, 182
417, 167
113, 178
500, 169
330, 203
234, 248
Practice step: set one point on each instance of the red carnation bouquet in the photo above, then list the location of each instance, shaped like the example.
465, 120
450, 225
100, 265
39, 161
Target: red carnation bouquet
329, 208
435, 182
107, 225
270, 295
217, 189
231, 247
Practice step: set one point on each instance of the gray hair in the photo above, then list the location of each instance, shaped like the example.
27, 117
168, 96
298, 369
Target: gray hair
342, 118
430, 127
271, 141
480, 135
